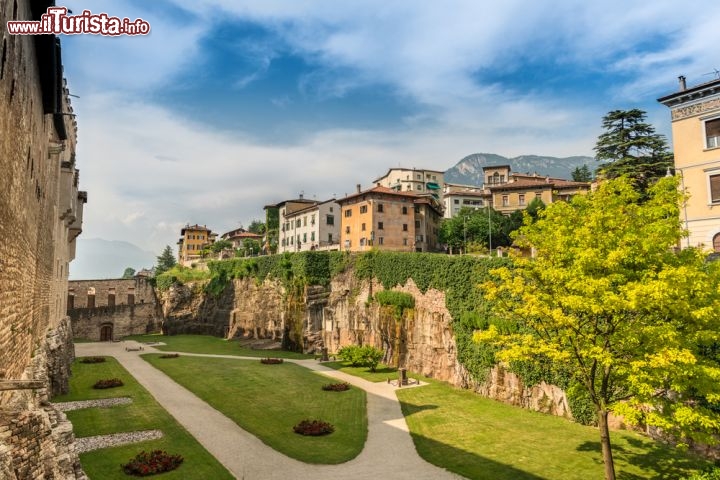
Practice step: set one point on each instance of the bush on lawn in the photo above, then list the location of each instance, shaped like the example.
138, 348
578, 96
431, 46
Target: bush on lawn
170, 355
108, 383
313, 427
157, 461
271, 361
92, 360
336, 387
365, 356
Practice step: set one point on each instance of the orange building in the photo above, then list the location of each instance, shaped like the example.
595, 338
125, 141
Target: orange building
193, 238
387, 219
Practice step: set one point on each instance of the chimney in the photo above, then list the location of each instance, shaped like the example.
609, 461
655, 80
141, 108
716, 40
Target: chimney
358, 188
683, 85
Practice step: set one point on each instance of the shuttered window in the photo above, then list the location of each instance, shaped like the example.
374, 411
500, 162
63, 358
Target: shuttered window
715, 188
712, 133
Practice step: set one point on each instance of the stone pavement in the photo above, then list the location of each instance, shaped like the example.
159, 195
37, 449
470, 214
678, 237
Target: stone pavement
389, 452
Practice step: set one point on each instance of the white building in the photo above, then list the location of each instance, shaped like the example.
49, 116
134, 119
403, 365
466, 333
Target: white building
315, 226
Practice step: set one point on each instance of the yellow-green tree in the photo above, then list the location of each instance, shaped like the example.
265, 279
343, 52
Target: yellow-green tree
609, 296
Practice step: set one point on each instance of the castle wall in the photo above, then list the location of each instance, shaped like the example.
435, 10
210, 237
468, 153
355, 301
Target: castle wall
41, 212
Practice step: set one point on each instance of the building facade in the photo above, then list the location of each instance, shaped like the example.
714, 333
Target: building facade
41, 214
388, 219
315, 226
193, 239
695, 114
239, 236
416, 180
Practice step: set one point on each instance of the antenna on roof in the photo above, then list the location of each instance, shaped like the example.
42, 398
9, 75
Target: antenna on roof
715, 72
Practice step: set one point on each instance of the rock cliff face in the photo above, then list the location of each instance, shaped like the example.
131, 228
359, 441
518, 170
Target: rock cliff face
341, 314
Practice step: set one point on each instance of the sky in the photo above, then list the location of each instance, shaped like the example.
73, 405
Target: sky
230, 105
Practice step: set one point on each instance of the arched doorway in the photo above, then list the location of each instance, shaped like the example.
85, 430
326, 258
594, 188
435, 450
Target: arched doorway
716, 243
106, 332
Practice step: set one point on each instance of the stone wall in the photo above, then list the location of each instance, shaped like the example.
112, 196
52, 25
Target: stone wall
339, 315
41, 212
124, 306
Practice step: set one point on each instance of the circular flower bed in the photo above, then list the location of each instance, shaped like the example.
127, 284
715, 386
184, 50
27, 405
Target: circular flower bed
170, 355
92, 360
313, 427
108, 383
336, 387
157, 461
271, 361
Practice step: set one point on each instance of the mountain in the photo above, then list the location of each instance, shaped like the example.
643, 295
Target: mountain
468, 171
98, 259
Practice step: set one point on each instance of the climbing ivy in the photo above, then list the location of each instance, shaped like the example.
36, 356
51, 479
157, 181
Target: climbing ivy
399, 300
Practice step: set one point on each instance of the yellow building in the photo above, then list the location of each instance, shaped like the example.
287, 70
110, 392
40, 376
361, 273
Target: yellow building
388, 219
193, 238
695, 116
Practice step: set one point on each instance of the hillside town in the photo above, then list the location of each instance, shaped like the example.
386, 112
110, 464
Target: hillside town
491, 320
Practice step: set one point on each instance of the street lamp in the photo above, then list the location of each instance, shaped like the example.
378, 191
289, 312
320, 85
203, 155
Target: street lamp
464, 235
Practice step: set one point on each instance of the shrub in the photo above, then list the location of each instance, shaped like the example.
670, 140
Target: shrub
336, 387
93, 360
108, 383
313, 427
361, 356
157, 461
271, 361
170, 355
712, 473
400, 300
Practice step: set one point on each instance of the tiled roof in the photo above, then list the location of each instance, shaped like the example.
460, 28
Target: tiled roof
379, 190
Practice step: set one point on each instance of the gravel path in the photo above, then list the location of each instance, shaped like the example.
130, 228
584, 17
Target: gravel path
389, 451
87, 444
102, 403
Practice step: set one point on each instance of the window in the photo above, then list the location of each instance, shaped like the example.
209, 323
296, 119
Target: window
716, 242
380, 240
330, 240
404, 210
456, 201
298, 240
380, 207
312, 236
418, 187
291, 240
433, 177
712, 133
363, 209
362, 242
312, 220
417, 223
521, 199
405, 227
538, 195
362, 227
331, 209
405, 241
409, 187
305, 221
304, 237
297, 223
348, 213
330, 219
505, 200
347, 229
419, 176
714, 181
380, 225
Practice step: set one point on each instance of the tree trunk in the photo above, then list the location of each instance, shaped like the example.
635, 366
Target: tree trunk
605, 443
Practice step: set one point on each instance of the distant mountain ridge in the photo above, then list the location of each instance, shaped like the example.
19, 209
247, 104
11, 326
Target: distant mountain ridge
99, 259
469, 170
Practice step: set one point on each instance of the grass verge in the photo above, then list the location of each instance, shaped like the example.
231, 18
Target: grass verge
211, 345
144, 413
381, 373
269, 400
481, 438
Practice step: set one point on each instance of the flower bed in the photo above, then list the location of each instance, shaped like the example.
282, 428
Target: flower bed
92, 360
313, 427
157, 461
170, 355
271, 361
336, 387
108, 383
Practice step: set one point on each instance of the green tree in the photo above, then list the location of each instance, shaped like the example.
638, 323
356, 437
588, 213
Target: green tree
582, 174
220, 245
630, 147
473, 226
129, 272
165, 261
256, 226
249, 247
609, 297
534, 208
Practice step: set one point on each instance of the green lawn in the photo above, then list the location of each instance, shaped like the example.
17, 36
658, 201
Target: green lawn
211, 345
484, 439
268, 400
143, 414
381, 373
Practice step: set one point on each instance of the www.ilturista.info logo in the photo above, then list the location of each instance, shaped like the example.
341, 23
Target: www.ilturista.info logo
57, 21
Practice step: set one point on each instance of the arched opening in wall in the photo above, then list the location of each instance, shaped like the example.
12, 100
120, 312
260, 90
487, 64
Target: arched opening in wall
716, 243
71, 299
131, 296
111, 297
91, 297
106, 332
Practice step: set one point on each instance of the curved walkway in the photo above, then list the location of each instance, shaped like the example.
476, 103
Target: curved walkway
389, 451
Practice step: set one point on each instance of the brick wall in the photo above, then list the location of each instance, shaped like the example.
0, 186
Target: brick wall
41, 212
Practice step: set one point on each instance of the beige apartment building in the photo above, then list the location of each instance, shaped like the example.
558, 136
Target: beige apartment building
695, 116
193, 239
313, 226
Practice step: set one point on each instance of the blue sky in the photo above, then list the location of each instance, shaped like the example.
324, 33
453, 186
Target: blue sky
229, 105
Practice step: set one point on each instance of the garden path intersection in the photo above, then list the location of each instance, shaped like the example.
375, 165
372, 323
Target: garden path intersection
389, 450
